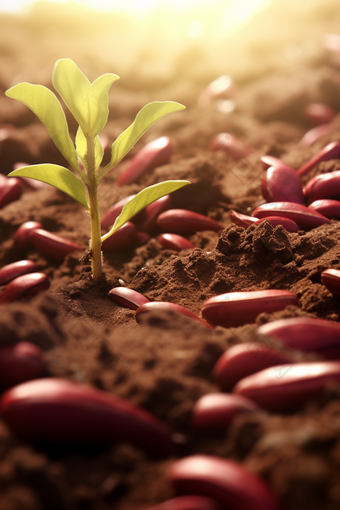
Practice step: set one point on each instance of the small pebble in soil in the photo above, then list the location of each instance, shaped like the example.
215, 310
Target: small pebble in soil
61, 411
233, 486
288, 387
245, 359
182, 221
306, 218
305, 334
217, 410
153, 154
235, 309
15, 269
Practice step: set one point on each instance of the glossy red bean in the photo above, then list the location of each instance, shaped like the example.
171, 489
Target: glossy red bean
52, 245
188, 503
10, 192
110, 216
323, 186
226, 146
181, 221
154, 154
217, 410
282, 184
127, 297
306, 218
268, 161
331, 279
61, 411
315, 134
19, 363
15, 269
175, 242
163, 305
288, 224
233, 486
22, 235
242, 220
3, 181
123, 239
319, 113
142, 238
306, 334
238, 308
221, 87
288, 387
331, 151
152, 212
245, 359
328, 208
25, 286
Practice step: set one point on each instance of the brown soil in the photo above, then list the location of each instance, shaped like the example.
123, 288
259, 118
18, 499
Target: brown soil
164, 365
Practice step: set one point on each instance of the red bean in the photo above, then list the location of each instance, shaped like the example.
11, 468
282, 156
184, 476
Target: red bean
233, 486
52, 245
319, 113
315, 134
268, 161
188, 503
61, 411
282, 184
10, 192
245, 359
142, 238
163, 305
331, 151
305, 334
22, 235
181, 221
288, 387
242, 220
3, 181
328, 208
288, 224
153, 154
127, 297
19, 363
331, 279
306, 218
110, 216
323, 186
238, 308
217, 410
152, 212
228, 147
175, 242
221, 87
25, 286
11, 271
123, 239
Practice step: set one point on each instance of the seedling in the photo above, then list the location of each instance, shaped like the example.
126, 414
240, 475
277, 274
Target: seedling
88, 103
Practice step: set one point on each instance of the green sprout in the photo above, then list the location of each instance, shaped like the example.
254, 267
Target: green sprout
88, 102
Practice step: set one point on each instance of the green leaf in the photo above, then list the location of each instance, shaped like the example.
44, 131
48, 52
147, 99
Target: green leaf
58, 176
87, 103
47, 108
143, 199
81, 146
145, 118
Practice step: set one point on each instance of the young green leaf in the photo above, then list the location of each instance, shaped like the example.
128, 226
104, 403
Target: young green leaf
142, 199
47, 108
57, 176
81, 147
145, 118
87, 103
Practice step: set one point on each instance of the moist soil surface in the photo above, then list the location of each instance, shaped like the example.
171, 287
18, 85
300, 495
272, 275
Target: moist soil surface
164, 364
